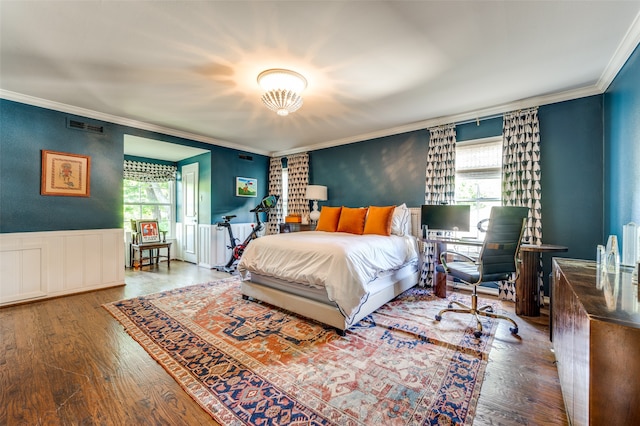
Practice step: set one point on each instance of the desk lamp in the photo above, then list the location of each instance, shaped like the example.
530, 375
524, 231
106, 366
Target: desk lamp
316, 193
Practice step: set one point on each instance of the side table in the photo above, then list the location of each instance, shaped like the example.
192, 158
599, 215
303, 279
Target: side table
527, 289
295, 227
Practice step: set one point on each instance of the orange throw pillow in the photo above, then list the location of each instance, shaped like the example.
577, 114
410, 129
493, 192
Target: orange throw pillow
352, 220
329, 217
379, 220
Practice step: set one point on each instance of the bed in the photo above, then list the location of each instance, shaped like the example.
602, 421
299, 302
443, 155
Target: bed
336, 278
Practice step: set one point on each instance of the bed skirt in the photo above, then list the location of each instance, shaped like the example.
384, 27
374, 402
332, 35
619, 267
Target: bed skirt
313, 303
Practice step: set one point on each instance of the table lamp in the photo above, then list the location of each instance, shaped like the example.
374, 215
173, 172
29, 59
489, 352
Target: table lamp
316, 193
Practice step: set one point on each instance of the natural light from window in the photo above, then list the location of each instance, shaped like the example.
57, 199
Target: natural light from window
479, 178
149, 200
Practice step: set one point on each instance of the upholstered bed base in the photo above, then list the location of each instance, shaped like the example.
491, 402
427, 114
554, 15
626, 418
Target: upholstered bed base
315, 304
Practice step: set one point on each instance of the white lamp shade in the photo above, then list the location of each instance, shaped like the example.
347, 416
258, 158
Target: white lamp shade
317, 192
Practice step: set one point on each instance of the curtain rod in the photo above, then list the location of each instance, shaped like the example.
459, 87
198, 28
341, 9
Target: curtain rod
477, 120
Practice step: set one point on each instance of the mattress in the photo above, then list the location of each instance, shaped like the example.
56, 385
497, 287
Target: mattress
332, 267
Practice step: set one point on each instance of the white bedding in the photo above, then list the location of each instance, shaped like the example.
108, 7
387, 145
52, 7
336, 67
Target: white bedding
345, 264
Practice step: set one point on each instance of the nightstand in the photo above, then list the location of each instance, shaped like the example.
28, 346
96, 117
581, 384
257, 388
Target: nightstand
295, 227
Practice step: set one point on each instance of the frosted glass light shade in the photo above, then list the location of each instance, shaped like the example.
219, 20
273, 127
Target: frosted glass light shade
282, 90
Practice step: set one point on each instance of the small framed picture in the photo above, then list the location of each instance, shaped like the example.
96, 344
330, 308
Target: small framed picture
246, 187
148, 231
65, 174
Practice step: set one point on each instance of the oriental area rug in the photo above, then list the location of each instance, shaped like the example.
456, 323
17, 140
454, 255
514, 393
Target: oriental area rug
248, 363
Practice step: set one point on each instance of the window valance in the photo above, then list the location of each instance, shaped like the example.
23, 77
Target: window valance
149, 172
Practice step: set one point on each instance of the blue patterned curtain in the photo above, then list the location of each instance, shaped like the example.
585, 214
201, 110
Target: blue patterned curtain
521, 179
148, 172
440, 183
298, 166
298, 172
275, 188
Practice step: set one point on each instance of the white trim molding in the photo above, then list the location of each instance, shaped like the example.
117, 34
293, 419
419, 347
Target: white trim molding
41, 265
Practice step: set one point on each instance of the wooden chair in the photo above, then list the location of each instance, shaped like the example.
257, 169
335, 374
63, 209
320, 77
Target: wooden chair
497, 261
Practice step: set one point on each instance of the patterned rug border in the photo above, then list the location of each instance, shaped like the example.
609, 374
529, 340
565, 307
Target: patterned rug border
221, 413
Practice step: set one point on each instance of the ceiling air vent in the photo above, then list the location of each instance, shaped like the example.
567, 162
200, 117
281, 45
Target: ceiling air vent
79, 125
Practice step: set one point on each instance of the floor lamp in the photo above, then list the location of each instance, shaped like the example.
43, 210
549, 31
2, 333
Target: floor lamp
316, 193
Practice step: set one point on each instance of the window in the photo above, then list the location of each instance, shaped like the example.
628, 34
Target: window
479, 177
150, 200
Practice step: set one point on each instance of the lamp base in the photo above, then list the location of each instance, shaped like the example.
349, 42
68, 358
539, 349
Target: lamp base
315, 214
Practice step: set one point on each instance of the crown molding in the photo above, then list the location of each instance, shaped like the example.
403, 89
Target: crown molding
629, 43
458, 118
70, 109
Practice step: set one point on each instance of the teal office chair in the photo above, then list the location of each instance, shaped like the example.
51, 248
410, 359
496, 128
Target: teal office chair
497, 261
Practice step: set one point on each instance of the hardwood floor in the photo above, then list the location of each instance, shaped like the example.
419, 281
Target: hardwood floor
66, 361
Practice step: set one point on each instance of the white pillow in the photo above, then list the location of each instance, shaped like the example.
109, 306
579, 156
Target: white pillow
401, 222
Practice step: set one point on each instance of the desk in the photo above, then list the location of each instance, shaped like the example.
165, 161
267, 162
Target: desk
527, 290
151, 247
440, 243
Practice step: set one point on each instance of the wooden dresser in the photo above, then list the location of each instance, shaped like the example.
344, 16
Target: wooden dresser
596, 338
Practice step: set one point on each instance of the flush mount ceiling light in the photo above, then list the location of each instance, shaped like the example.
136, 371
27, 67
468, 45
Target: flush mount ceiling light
282, 90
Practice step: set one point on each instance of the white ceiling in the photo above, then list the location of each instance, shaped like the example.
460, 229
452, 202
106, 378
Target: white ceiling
374, 68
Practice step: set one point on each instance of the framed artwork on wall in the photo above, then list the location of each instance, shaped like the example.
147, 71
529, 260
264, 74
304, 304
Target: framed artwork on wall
65, 174
148, 231
246, 187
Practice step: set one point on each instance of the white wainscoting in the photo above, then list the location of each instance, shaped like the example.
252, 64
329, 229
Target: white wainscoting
39, 265
213, 243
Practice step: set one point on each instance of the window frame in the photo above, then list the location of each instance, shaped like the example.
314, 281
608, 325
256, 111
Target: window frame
490, 172
171, 232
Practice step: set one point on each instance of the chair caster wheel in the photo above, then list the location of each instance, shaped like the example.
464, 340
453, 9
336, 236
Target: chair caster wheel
489, 309
450, 305
438, 317
513, 330
478, 334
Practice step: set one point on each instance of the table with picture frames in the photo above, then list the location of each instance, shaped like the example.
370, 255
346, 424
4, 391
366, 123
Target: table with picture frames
154, 253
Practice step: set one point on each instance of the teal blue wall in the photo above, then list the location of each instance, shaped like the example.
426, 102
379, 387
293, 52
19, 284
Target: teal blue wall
384, 171
226, 166
217, 178
26, 129
622, 148
572, 175
391, 170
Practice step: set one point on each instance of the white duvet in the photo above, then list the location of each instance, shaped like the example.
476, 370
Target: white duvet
345, 264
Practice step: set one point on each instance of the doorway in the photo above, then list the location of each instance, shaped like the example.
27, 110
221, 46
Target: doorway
190, 212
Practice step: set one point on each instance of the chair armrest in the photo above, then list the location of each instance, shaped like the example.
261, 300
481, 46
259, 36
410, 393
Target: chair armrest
443, 258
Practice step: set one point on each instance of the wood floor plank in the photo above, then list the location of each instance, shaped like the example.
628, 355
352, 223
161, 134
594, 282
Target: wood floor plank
67, 361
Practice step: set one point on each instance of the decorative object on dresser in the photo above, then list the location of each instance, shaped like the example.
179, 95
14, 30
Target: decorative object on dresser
596, 340
498, 261
250, 363
316, 193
